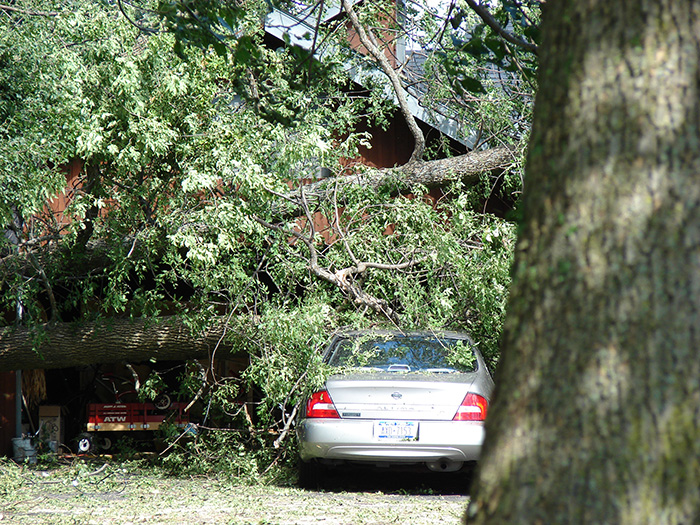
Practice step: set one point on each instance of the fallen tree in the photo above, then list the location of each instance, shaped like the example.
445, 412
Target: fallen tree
467, 168
174, 194
63, 345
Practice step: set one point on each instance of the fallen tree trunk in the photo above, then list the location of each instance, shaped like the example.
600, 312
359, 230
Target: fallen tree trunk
467, 168
63, 345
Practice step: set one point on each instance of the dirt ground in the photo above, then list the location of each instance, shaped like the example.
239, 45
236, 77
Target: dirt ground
113, 494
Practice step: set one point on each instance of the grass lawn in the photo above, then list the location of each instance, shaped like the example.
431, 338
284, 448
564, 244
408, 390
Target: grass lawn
99, 491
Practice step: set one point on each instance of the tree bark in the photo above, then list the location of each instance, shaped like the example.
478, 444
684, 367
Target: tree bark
64, 345
595, 416
434, 173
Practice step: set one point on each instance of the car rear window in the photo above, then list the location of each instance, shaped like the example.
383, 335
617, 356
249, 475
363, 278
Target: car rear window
404, 354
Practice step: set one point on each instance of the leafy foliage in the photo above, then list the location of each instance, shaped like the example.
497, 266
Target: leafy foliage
183, 129
470, 66
482, 41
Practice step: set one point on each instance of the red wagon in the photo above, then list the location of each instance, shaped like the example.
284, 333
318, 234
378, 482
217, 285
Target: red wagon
108, 421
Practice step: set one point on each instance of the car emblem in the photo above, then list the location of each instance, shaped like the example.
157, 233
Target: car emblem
396, 395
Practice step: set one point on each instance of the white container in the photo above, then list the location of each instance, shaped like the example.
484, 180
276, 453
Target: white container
23, 450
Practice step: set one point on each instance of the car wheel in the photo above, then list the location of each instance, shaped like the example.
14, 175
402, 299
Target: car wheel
310, 474
84, 443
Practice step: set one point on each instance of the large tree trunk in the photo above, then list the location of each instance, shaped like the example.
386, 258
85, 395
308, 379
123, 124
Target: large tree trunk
113, 340
595, 418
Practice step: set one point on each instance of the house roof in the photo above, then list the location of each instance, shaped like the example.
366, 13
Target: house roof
299, 29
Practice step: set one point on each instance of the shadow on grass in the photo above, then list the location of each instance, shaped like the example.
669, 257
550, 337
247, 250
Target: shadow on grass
396, 481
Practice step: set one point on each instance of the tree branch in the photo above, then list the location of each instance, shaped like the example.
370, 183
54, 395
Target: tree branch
141, 28
12, 9
47, 285
369, 41
490, 21
467, 168
343, 279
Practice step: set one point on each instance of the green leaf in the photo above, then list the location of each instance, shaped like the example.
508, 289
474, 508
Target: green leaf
471, 84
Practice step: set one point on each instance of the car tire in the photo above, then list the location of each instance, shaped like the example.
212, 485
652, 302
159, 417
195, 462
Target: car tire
311, 474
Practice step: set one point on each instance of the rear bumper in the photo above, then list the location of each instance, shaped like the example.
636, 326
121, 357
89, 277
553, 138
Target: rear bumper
354, 440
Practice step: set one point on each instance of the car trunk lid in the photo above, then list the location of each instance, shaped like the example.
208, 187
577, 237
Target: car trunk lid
399, 396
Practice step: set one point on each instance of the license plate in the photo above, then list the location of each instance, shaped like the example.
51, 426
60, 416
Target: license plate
396, 430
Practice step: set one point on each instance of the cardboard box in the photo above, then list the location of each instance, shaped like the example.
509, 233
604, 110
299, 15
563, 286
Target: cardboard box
50, 423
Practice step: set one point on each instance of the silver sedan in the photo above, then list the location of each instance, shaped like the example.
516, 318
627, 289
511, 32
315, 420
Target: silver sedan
396, 398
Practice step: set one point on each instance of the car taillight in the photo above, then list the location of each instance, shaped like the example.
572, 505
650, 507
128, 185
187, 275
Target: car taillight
321, 405
473, 408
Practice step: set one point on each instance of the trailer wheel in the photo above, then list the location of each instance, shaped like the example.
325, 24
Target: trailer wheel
162, 402
104, 443
84, 443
